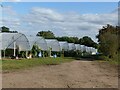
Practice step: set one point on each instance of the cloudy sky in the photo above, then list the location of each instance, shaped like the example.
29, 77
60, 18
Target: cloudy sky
62, 18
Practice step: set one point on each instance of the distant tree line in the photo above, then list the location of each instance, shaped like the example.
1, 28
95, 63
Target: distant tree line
83, 41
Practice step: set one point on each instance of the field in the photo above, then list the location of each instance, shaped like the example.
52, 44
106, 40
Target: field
59, 73
13, 65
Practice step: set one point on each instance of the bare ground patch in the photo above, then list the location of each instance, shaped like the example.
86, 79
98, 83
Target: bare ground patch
75, 74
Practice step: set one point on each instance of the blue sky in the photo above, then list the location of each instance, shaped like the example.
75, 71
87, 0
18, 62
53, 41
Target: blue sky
62, 18
80, 7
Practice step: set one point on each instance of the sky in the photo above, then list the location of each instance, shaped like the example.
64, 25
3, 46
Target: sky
62, 18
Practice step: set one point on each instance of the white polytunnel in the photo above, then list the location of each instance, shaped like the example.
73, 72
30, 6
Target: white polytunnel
83, 48
72, 46
64, 45
93, 51
14, 40
53, 44
88, 49
37, 40
77, 46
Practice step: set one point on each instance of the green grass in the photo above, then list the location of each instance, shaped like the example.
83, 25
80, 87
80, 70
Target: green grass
12, 65
115, 60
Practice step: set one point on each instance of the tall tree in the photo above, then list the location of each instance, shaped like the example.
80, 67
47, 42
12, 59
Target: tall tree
87, 41
46, 34
108, 40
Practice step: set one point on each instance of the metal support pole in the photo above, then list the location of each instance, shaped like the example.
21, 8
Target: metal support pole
14, 48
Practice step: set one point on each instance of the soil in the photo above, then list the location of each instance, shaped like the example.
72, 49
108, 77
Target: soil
75, 74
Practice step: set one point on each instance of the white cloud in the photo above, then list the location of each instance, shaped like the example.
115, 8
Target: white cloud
62, 24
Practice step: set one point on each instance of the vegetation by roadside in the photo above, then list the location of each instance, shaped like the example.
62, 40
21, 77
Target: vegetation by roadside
12, 65
100, 57
109, 44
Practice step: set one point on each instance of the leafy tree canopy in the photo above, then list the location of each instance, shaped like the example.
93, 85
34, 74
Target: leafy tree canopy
6, 29
108, 40
87, 41
46, 34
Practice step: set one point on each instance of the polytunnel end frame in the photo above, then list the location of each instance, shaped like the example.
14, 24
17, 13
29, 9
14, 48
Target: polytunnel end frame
14, 41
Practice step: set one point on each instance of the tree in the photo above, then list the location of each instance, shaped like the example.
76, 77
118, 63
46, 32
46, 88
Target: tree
4, 29
46, 34
68, 39
84, 41
108, 40
87, 41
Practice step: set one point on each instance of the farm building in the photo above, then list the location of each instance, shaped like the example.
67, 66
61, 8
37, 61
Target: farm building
88, 49
83, 48
16, 41
72, 46
39, 41
64, 45
19, 40
13, 44
93, 51
53, 44
78, 47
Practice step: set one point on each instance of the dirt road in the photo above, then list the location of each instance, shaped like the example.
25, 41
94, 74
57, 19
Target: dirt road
75, 74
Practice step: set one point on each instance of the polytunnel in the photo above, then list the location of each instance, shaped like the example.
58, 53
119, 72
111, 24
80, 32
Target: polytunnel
83, 48
64, 45
93, 51
72, 46
53, 44
87, 49
77, 46
14, 41
36, 40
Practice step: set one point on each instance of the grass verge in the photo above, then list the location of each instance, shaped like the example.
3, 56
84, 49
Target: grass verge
12, 65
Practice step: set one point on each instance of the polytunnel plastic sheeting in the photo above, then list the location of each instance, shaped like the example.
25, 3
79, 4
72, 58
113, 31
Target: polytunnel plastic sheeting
93, 50
83, 48
39, 41
64, 45
77, 46
88, 49
72, 46
19, 40
53, 44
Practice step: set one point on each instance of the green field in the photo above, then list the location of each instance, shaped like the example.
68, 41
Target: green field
12, 65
